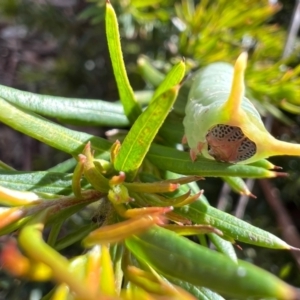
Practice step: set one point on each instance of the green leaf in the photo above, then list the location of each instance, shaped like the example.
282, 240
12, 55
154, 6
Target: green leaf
179, 162
191, 288
210, 294
237, 229
131, 107
201, 213
238, 185
183, 96
173, 78
65, 166
178, 257
148, 72
45, 182
200, 293
77, 235
264, 163
142, 133
14, 226
65, 213
52, 134
73, 111
223, 246
172, 129
54, 232
290, 107
92, 12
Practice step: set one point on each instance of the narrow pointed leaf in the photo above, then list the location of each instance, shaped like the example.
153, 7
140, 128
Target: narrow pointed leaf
163, 250
54, 135
179, 162
290, 107
160, 186
210, 294
107, 280
93, 269
235, 228
66, 213
200, 293
74, 111
77, 235
65, 166
14, 225
238, 185
192, 229
45, 182
223, 246
119, 231
142, 133
77, 175
149, 73
131, 107
9, 216
172, 130
54, 232
264, 163
12, 197
173, 78
62, 292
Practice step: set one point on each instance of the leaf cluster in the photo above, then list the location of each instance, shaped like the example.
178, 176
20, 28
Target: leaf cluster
134, 199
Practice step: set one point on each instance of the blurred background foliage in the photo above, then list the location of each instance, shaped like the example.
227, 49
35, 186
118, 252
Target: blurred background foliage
59, 48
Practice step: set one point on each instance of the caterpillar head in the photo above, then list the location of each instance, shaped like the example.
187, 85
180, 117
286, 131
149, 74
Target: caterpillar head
229, 144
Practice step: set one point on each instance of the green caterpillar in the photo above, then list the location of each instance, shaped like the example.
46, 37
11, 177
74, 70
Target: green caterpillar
222, 124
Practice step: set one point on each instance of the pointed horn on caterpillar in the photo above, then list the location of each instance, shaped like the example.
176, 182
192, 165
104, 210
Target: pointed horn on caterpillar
233, 103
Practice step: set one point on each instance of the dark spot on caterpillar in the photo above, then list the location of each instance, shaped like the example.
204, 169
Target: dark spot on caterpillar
229, 144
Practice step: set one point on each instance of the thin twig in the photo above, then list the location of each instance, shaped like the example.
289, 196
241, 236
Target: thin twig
286, 225
243, 200
223, 197
293, 31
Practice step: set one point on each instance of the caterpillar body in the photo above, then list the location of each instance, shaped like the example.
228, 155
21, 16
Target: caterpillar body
222, 124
